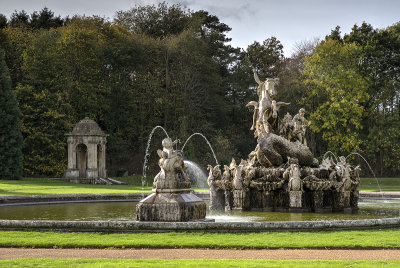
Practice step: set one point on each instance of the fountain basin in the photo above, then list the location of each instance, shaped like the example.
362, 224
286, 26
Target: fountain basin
171, 205
117, 217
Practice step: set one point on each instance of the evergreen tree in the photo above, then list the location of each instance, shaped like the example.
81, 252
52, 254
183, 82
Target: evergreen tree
10, 128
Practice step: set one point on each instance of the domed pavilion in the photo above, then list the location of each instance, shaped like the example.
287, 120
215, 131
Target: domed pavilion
86, 151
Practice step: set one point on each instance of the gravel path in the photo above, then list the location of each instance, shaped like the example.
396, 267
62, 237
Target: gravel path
277, 254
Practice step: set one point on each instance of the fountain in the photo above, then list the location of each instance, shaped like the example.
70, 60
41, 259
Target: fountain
146, 155
172, 199
197, 176
281, 174
208, 143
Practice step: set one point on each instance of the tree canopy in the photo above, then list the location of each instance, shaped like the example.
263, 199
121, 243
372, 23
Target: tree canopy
170, 66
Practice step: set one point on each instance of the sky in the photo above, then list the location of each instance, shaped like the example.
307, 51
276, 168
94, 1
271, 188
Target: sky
290, 21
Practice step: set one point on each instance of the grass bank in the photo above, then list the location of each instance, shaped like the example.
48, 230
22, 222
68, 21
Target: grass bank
46, 262
42, 186
342, 239
386, 184
45, 186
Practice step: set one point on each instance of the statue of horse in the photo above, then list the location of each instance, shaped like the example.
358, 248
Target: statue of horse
266, 109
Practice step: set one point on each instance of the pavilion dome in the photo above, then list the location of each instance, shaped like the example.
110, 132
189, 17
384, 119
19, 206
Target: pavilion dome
87, 127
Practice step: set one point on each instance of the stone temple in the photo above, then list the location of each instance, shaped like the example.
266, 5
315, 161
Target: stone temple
86, 152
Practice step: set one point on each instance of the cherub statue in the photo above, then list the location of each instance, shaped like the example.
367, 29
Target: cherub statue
173, 170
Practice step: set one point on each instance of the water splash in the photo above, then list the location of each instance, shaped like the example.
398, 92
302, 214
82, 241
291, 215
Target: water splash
201, 135
147, 154
376, 179
197, 175
331, 154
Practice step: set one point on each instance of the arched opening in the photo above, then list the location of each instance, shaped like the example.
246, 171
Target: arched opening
100, 164
81, 159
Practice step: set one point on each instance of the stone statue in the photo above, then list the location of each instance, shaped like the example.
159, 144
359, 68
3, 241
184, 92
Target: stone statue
293, 173
173, 171
281, 173
263, 109
214, 174
286, 127
217, 198
300, 125
172, 199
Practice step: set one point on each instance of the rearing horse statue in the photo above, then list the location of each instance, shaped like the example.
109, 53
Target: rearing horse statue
266, 107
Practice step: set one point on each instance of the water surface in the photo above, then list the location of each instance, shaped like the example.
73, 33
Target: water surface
126, 211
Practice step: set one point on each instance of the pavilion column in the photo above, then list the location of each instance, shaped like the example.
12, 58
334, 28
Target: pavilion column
92, 171
71, 154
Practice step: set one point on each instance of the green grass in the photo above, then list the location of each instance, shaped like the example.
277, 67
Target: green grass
387, 184
341, 239
43, 186
47, 262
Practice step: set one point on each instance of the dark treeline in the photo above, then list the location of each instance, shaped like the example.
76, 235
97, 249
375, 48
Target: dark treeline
165, 65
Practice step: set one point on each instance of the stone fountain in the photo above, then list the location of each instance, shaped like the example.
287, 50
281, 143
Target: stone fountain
172, 199
281, 174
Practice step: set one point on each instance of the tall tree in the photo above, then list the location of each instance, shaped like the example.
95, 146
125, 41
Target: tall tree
156, 21
340, 91
266, 57
45, 19
19, 19
10, 127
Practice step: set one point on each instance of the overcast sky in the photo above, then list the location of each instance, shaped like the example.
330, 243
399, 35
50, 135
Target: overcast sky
291, 21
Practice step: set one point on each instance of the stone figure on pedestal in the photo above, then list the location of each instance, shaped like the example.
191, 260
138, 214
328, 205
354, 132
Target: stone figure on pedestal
172, 199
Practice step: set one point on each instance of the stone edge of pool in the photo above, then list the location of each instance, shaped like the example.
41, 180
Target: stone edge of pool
135, 227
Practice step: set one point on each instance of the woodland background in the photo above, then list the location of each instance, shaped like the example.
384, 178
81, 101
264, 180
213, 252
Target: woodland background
169, 66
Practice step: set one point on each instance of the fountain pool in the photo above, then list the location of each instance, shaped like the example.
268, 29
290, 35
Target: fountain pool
125, 211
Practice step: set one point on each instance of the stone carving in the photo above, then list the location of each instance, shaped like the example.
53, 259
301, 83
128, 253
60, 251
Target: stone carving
286, 127
172, 198
293, 174
299, 127
281, 173
173, 172
217, 202
275, 150
266, 108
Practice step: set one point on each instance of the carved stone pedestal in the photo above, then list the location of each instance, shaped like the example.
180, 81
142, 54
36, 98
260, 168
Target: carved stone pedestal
217, 199
240, 200
295, 199
171, 205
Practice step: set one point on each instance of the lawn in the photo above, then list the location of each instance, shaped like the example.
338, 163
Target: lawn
46, 262
386, 184
341, 239
41, 186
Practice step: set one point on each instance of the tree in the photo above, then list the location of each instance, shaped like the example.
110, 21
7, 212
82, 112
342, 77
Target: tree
45, 19
19, 19
3, 21
10, 127
340, 92
266, 57
380, 48
156, 21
